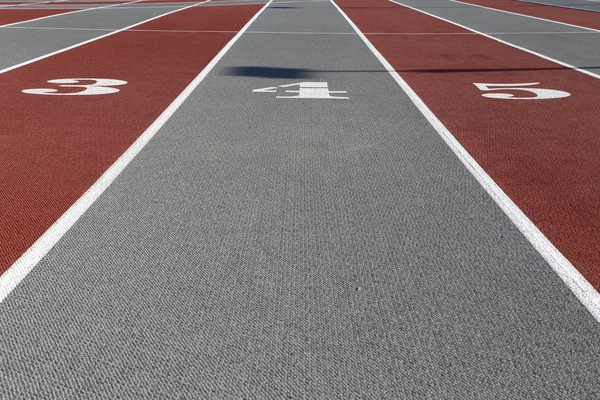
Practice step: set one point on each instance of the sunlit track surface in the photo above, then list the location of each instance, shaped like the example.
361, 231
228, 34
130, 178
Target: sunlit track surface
576, 18
299, 199
584, 5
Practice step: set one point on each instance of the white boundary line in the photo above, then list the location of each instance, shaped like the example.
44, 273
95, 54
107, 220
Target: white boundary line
65, 13
584, 291
2, 71
583, 71
20, 268
525, 15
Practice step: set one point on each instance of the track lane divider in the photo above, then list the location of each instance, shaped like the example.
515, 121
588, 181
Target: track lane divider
576, 282
525, 15
34, 254
583, 71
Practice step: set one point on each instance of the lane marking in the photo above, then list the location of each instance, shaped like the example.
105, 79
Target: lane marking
582, 289
306, 90
66, 13
20, 268
540, 94
2, 71
98, 87
525, 15
583, 71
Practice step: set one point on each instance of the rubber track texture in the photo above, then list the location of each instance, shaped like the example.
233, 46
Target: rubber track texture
567, 16
53, 148
11, 16
543, 154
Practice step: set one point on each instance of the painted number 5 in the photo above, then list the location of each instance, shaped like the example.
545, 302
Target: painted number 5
539, 93
90, 86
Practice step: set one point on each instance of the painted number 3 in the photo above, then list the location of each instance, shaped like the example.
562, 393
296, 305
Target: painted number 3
539, 93
90, 86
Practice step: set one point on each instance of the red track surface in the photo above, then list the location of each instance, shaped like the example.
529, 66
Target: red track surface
53, 148
545, 154
560, 14
10, 15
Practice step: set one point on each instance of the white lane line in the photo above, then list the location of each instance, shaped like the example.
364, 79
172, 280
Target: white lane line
584, 291
20, 268
526, 16
2, 71
583, 71
66, 13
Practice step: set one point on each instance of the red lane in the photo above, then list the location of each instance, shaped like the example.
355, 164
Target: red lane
12, 15
53, 148
545, 154
560, 14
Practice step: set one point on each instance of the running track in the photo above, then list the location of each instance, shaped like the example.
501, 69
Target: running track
190, 230
8, 16
574, 17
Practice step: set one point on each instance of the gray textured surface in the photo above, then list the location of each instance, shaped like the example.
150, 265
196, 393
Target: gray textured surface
106, 18
277, 248
582, 51
21, 44
575, 4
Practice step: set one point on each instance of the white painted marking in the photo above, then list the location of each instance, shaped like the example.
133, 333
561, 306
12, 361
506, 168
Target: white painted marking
306, 90
99, 37
270, 89
583, 71
98, 87
540, 94
20, 268
526, 16
584, 291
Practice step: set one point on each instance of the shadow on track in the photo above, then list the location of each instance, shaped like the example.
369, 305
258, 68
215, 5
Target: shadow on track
302, 73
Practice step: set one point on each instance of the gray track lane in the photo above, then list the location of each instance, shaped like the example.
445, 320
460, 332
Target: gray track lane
107, 18
582, 51
575, 4
52, 6
18, 45
274, 248
138, 6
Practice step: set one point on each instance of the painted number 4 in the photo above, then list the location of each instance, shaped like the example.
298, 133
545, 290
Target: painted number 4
90, 86
539, 93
